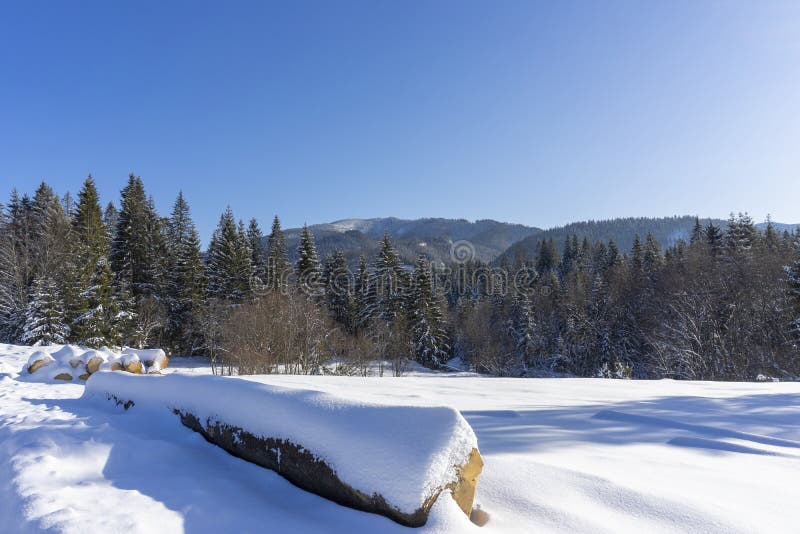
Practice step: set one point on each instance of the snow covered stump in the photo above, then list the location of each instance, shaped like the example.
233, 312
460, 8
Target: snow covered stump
391, 460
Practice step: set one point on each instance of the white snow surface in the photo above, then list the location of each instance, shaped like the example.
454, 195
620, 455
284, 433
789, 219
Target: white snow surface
358, 440
561, 455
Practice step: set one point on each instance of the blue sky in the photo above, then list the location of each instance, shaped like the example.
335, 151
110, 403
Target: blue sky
523, 111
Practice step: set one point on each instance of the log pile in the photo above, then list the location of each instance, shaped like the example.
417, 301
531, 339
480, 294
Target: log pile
71, 362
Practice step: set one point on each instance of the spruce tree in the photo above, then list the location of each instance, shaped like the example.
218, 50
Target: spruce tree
547, 259
130, 249
258, 253
793, 281
386, 293
110, 219
637, 255
338, 291
93, 279
771, 239
97, 315
652, 258
741, 234
185, 279
361, 290
307, 270
697, 233
15, 269
714, 239
229, 266
278, 266
425, 317
45, 321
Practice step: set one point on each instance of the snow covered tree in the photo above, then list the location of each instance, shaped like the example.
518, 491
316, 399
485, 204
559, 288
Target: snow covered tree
131, 249
185, 279
229, 265
338, 291
793, 280
714, 239
741, 234
93, 279
278, 266
110, 219
45, 321
385, 297
93, 326
637, 255
15, 268
258, 253
361, 291
652, 259
697, 232
425, 317
307, 270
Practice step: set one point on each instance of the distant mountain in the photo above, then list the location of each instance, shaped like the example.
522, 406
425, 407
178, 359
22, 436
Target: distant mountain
432, 237
490, 240
666, 230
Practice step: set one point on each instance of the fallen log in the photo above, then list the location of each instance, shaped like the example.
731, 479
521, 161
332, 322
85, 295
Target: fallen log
391, 460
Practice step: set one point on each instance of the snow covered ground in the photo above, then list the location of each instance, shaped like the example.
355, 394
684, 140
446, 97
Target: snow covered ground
561, 455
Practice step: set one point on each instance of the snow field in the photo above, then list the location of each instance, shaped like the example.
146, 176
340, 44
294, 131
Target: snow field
561, 455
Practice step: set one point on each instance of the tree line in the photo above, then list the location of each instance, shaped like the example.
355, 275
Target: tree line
723, 306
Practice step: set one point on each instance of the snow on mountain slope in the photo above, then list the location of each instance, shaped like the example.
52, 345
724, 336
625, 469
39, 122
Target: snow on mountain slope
561, 455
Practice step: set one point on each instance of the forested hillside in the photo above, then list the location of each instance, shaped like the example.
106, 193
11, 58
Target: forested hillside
431, 237
722, 302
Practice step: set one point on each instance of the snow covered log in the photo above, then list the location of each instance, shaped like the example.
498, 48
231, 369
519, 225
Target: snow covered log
390, 460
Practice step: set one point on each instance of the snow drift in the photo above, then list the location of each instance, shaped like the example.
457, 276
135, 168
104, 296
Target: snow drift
391, 460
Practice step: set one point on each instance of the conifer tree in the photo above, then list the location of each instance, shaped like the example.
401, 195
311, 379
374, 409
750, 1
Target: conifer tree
50, 236
229, 265
93, 278
714, 239
15, 269
131, 247
338, 291
741, 234
307, 270
110, 219
361, 290
385, 297
637, 255
278, 267
184, 280
614, 258
96, 319
258, 253
425, 317
45, 321
771, 239
547, 259
652, 258
697, 232
793, 280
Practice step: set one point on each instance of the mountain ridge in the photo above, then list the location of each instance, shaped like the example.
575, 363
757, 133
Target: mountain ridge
490, 240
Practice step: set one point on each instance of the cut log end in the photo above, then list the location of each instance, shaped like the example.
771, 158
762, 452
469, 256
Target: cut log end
38, 364
93, 365
135, 367
463, 489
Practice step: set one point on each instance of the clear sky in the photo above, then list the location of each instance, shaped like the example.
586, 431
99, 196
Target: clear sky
541, 113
